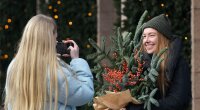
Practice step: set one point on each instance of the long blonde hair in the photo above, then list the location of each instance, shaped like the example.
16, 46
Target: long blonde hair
32, 79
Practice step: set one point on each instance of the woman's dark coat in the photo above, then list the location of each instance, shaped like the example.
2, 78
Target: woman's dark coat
178, 94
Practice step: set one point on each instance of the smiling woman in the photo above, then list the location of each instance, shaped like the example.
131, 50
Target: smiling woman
174, 76
150, 40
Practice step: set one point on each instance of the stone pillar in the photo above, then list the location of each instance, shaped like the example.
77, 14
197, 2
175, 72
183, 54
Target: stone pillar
195, 31
106, 16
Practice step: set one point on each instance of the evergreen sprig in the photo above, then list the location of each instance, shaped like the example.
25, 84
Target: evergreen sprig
126, 70
150, 80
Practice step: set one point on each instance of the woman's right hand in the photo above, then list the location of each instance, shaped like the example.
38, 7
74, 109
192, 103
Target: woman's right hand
74, 50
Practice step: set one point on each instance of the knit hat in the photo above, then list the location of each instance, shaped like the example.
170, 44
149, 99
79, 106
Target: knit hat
162, 24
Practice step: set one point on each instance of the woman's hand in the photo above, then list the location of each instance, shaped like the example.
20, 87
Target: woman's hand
74, 50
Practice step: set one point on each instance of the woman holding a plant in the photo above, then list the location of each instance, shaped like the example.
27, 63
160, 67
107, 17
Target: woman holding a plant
146, 73
173, 82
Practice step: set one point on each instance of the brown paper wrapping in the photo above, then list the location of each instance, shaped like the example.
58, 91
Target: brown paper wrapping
114, 100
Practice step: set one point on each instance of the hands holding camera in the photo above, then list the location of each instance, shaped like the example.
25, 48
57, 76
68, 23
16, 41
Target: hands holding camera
74, 50
68, 48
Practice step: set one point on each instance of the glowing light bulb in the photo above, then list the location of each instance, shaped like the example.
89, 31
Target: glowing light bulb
59, 2
50, 7
55, 16
186, 38
5, 56
89, 14
88, 46
162, 4
6, 26
55, 10
70, 23
9, 20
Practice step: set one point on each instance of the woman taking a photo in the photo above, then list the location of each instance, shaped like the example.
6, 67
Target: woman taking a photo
38, 80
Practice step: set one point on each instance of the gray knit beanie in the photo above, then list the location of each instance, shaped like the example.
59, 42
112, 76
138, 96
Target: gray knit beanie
162, 24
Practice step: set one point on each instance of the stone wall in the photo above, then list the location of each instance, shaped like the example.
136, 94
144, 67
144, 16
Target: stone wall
195, 31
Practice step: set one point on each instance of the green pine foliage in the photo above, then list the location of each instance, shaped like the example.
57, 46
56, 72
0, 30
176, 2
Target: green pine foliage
125, 70
177, 10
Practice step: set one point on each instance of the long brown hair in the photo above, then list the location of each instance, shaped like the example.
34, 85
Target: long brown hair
163, 42
162, 81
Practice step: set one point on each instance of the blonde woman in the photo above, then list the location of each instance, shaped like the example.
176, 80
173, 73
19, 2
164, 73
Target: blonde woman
173, 82
38, 80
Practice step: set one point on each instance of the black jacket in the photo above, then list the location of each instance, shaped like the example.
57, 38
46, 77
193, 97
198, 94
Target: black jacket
178, 95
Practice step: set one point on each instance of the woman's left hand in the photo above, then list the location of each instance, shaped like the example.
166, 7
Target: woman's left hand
74, 50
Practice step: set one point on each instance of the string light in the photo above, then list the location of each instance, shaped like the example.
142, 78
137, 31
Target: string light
89, 14
88, 46
55, 16
6, 26
9, 20
5, 56
70, 23
162, 4
58, 2
166, 15
55, 10
186, 38
50, 7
